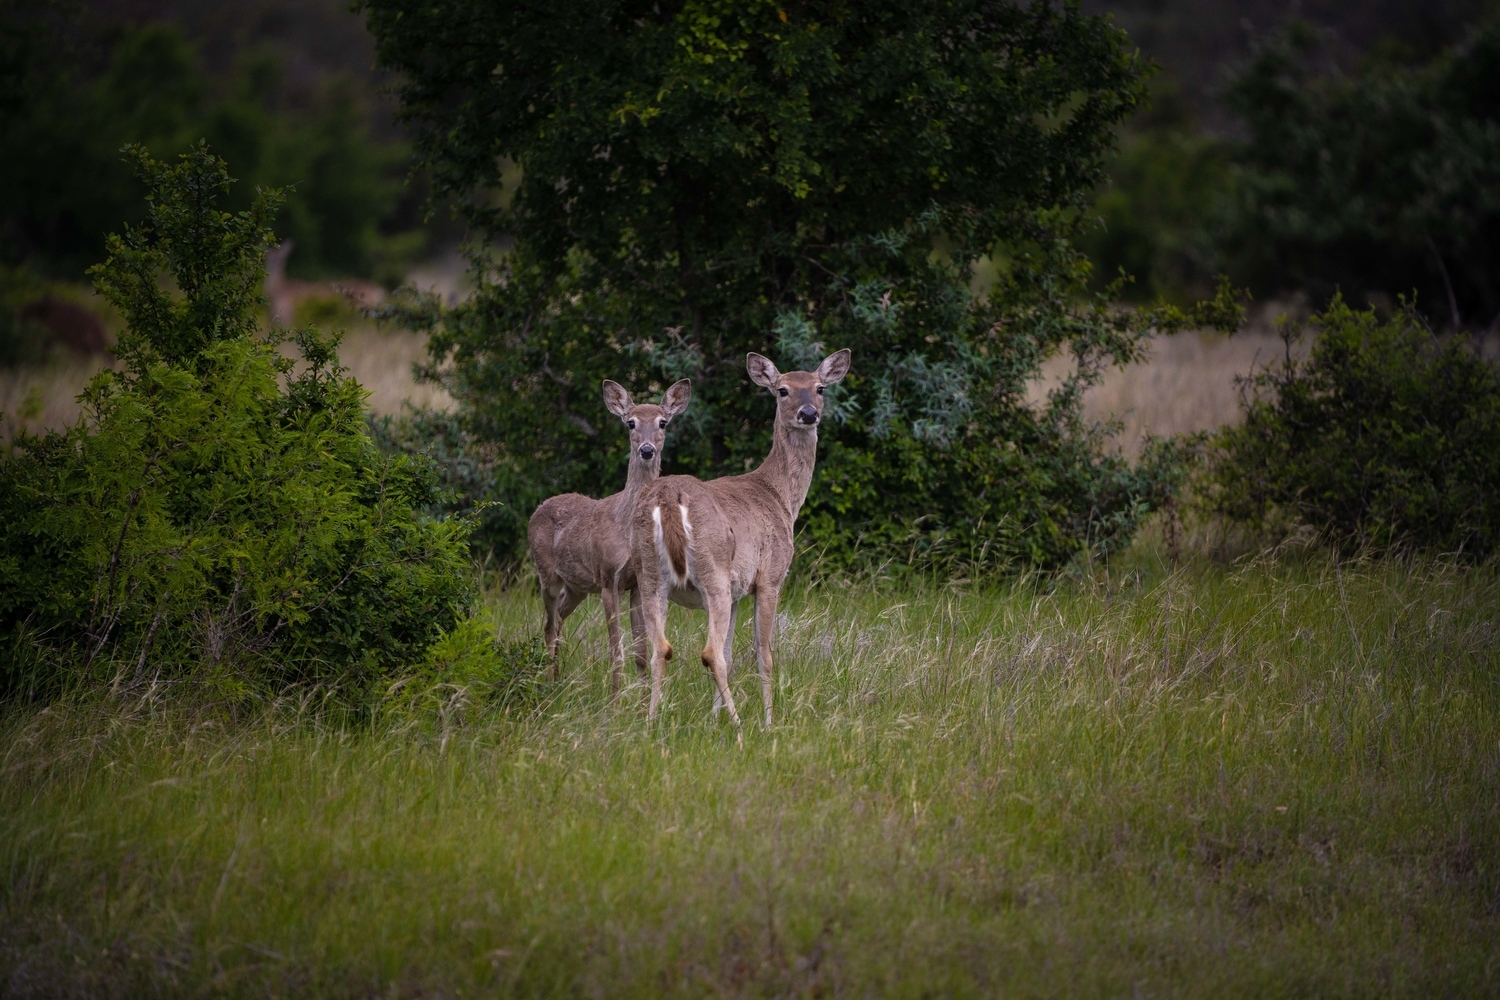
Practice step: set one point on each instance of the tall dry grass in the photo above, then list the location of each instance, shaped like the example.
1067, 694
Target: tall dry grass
46, 397
1187, 385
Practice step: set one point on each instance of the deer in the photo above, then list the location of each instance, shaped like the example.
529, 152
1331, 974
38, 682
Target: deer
709, 544
581, 546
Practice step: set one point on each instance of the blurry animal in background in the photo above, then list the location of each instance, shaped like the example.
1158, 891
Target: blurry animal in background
68, 324
284, 295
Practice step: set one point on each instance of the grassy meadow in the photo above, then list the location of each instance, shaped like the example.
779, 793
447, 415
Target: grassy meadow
1276, 776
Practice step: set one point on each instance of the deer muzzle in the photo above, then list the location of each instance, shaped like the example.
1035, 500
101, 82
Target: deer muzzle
808, 415
648, 451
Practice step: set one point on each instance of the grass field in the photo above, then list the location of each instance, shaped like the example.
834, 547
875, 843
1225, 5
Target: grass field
1277, 777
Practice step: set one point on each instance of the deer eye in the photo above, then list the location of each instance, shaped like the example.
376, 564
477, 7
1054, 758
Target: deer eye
661, 423
630, 424
782, 390
820, 390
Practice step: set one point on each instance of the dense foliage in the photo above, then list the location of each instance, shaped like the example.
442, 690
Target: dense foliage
701, 179
75, 91
1380, 181
1376, 181
216, 508
1383, 435
1166, 209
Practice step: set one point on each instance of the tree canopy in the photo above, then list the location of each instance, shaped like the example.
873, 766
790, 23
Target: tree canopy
678, 183
1383, 180
217, 511
77, 88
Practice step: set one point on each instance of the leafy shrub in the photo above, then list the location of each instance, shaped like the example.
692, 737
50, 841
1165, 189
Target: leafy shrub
701, 180
217, 507
466, 670
464, 465
1383, 435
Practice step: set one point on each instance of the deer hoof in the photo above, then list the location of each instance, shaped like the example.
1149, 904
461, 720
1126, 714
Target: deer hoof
668, 654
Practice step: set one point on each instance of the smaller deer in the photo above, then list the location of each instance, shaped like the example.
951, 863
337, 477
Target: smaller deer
706, 545
581, 546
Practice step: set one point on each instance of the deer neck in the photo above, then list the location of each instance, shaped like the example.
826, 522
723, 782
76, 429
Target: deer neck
638, 475
789, 466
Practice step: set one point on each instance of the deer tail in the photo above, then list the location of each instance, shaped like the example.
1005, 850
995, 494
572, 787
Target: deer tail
673, 532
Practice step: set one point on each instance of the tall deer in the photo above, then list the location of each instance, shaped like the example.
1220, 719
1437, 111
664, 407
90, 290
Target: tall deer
581, 546
707, 545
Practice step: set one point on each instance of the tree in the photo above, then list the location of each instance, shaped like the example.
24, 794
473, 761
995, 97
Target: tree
216, 509
1375, 182
1164, 209
64, 186
704, 178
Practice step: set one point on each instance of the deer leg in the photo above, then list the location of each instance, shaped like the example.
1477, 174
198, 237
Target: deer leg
552, 629
720, 611
611, 600
765, 624
728, 654
654, 608
638, 634
563, 605
649, 598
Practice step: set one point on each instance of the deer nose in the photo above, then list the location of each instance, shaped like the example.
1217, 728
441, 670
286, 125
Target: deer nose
648, 450
808, 414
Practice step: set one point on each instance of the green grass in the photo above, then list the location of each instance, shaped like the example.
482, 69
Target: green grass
1281, 778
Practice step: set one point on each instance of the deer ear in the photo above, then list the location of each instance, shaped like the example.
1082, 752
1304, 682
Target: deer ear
834, 367
677, 397
616, 399
762, 372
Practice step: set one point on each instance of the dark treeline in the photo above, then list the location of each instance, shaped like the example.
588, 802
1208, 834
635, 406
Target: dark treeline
1200, 44
286, 93
1313, 148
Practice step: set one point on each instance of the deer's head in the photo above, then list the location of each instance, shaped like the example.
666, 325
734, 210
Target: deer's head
799, 395
647, 422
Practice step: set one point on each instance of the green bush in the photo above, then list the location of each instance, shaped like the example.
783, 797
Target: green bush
1384, 435
699, 180
467, 670
217, 507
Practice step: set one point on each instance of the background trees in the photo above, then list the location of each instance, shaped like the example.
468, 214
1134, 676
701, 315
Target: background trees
701, 179
1349, 148
81, 82
1383, 181
217, 509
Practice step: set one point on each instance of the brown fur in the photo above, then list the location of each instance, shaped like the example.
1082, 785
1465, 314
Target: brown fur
581, 546
739, 541
71, 325
674, 538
